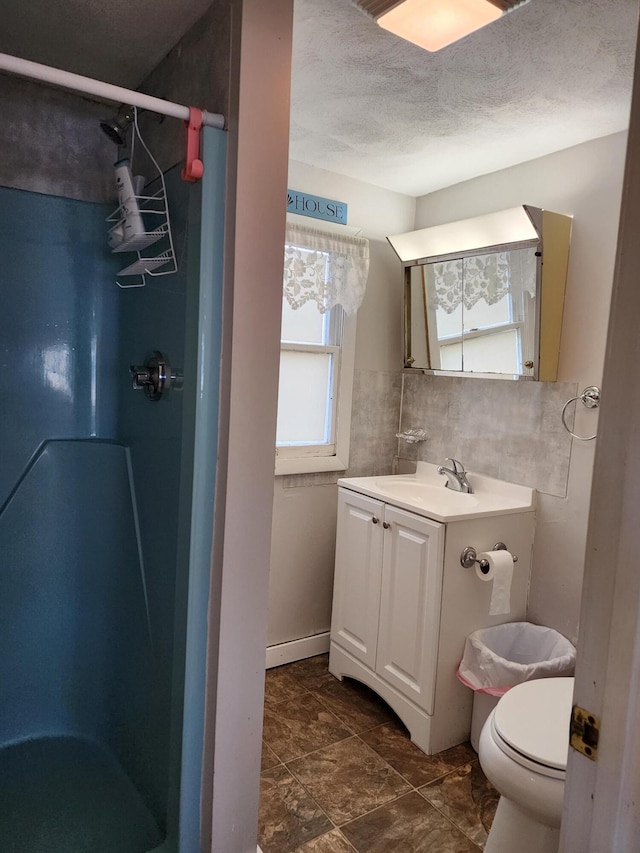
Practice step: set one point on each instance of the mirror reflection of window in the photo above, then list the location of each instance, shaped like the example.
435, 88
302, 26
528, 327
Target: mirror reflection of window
480, 313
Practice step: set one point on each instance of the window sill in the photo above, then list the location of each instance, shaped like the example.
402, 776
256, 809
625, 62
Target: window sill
310, 465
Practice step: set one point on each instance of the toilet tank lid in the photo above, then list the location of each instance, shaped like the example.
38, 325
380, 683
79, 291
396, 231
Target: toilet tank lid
534, 718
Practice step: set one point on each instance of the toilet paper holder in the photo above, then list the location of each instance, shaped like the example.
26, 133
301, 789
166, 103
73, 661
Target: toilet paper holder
469, 557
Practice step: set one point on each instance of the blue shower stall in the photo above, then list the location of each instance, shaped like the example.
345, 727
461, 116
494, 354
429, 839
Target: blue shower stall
106, 508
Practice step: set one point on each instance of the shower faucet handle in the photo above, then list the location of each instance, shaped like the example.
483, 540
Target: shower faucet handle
141, 376
155, 376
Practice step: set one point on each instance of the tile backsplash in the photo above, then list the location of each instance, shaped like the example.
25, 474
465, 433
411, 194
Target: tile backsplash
374, 422
510, 430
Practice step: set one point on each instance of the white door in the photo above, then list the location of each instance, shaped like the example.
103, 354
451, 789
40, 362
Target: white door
602, 798
356, 590
410, 604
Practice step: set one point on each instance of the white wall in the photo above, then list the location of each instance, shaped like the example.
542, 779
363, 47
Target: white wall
304, 509
586, 182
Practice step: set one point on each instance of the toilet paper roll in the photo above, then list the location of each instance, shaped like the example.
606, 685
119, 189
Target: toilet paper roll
500, 573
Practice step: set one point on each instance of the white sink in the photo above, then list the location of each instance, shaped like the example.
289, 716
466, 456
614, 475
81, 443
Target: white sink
425, 493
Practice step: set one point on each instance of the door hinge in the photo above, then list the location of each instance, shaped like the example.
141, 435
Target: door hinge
585, 732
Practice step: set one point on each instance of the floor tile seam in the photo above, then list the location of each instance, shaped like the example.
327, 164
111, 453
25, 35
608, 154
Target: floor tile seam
442, 776
350, 726
270, 705
384, 761
334, 825
355, 737
382, 758
373, 728
384, 805
338, 825
313, 751
342, 835
450, 819
449, 773
273, 767
328, 707
408, 781
339, 722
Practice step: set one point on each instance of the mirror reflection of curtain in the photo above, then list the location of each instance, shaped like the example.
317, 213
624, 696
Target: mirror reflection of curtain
444, 313
485, 277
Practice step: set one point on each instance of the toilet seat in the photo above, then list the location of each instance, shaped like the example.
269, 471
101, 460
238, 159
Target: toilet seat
531, 725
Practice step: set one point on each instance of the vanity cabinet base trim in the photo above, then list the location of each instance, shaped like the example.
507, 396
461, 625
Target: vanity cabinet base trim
417, 721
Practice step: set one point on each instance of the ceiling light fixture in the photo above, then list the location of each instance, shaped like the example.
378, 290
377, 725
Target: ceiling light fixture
434, 24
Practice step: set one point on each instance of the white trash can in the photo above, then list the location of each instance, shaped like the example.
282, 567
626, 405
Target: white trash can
496, 659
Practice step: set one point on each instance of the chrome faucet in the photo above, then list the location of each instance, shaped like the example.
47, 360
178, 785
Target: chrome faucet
456, 477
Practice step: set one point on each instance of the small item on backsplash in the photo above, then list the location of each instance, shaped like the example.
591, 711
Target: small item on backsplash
412, 435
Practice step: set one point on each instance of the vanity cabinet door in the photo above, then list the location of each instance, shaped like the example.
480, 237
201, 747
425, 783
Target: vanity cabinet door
410, 605
356, 591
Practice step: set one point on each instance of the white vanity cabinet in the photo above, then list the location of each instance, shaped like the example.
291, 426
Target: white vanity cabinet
387, 591
403, 606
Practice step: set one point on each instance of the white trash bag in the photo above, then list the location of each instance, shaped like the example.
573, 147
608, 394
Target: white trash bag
496, 659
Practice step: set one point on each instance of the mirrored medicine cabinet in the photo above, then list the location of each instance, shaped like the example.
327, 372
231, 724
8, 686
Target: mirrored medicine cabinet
484, 297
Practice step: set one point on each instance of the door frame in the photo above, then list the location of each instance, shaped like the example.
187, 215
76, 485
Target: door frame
602, 798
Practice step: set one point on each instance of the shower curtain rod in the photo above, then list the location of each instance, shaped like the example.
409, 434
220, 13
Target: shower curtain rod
67, 80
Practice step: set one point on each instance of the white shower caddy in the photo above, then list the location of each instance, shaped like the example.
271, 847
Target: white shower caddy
152, 208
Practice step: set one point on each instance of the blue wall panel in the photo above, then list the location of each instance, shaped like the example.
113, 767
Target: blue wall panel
154, 318
58, 334
90, 486
76, 652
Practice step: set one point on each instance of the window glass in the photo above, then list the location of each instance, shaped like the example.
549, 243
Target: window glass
493, 353
305, 325
304, 398
481, 314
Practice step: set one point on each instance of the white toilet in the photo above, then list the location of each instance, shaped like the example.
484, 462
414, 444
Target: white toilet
523, 752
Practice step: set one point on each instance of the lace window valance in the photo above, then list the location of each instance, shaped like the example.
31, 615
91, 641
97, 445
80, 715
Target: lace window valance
488, 277
328, 269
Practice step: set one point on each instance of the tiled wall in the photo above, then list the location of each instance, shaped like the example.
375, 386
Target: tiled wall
52, 142
195, 72
374, 422
510, 430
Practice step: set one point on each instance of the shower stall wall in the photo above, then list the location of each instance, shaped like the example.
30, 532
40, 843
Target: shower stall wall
96, 536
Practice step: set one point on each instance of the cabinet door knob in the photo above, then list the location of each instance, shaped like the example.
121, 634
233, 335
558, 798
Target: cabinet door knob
386, 525
375, 520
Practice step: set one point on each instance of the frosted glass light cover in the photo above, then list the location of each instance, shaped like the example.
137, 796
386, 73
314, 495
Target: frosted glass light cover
434, 24
493, 229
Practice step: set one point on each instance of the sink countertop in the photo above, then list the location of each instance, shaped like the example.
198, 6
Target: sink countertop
425, 493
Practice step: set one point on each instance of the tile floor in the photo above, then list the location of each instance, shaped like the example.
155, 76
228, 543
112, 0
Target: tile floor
339, 774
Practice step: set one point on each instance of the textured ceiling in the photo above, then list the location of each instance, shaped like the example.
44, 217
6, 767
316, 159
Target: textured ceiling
551, 74
119, 41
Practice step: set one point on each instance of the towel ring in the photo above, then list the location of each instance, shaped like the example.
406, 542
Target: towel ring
590, 398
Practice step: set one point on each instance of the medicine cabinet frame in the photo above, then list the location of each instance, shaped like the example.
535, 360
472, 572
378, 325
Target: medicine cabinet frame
523, 227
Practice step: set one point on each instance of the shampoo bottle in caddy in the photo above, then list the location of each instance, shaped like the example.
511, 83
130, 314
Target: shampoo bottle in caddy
131, 224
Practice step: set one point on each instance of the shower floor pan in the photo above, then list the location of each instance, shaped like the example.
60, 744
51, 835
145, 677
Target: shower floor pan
66, 795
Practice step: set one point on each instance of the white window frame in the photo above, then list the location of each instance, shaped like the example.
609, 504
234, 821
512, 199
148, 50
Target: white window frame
334, 456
